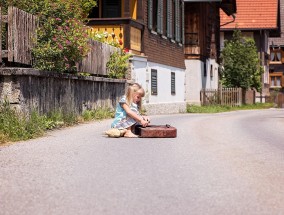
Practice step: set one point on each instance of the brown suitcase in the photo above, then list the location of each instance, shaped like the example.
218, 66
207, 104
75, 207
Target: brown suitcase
159, 131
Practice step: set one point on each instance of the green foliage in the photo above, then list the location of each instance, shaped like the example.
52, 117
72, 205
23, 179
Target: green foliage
241, 65
220, 108
117, 65
61, 37
78, 9
67, 46
15, 126
100, 113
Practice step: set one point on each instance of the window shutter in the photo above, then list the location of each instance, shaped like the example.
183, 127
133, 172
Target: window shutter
154, 82
169, 19
161, 6
177, 21
182, 22
159, 24
173, 83
150, 14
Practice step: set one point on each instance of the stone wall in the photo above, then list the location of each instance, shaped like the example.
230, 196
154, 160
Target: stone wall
30, 89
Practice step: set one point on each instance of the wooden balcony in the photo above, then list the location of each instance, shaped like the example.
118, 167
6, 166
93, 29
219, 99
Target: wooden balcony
126, 31
191, 46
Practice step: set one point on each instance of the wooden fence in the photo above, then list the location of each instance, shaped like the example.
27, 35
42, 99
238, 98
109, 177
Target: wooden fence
222, 96
19, 29
277, 98
97, 58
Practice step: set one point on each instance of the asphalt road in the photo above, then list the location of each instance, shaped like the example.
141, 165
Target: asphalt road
227, 163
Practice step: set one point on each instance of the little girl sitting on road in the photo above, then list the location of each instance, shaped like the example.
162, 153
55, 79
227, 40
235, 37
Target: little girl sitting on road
127, 111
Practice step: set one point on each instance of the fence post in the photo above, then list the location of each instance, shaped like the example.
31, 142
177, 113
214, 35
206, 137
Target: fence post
1, 34
201, 97
240, 96
220, 97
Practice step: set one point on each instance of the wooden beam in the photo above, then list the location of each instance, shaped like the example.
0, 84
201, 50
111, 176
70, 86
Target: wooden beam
126, 8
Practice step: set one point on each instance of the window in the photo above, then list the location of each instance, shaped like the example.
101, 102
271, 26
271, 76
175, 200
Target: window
152, 14
165, 18
169, 18
211, 71
173, 83
178, 16
106, 9
275, 56
192, 23
173, 27
276, 80
111, 8
154, 82
204, 69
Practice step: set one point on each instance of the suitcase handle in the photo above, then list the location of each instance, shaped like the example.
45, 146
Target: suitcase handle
167, 125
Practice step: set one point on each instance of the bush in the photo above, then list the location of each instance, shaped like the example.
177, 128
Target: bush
61, 37
117, 65
69, 44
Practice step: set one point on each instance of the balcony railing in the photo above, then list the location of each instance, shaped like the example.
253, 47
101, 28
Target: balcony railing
125, 31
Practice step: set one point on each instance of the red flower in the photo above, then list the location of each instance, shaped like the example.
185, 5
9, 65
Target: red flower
120, 42
126, 50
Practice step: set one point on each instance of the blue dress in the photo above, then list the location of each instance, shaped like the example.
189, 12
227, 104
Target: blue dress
121, 120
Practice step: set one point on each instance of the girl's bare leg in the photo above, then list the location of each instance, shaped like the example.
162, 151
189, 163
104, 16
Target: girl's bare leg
129, 133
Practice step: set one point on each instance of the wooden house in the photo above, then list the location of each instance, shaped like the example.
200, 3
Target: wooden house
202, 44
152, 31
259, 20
276, 55
174, 43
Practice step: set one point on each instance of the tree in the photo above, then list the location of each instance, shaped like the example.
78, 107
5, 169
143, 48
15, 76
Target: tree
241, 64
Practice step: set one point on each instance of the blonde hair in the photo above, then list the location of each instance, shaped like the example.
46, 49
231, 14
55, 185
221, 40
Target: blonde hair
134, 88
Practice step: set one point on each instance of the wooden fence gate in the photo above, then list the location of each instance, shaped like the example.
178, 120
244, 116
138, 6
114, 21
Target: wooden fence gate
222, 96
19, 29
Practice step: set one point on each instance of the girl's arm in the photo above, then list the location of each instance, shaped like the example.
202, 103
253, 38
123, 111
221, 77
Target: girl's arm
134, 115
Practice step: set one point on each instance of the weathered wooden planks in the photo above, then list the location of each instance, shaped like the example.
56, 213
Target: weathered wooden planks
97, 58
223, 96
21, 32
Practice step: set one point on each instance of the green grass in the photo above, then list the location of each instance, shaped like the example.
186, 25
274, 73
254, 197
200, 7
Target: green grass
16, 127
219, 108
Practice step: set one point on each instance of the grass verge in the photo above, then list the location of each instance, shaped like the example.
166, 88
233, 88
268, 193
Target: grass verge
16, 127
219, 108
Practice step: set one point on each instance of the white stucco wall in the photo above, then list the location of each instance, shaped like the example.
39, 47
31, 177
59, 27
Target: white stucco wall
196, 80
164, 102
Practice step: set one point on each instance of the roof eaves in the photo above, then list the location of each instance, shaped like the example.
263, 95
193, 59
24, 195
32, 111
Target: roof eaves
247, 29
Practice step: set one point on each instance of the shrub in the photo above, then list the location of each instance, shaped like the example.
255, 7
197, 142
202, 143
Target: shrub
117, 65
61, 37
67, 46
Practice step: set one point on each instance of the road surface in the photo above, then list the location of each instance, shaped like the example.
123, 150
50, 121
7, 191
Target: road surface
227, 163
